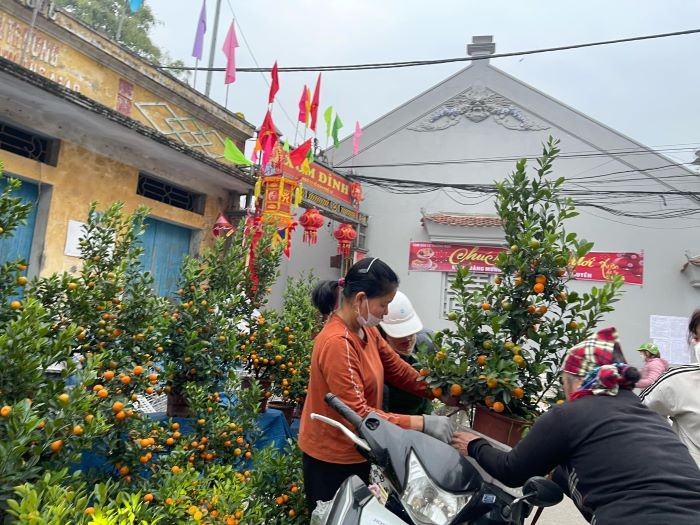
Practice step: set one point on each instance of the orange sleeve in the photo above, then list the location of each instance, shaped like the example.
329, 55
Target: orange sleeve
399, 373
339, 362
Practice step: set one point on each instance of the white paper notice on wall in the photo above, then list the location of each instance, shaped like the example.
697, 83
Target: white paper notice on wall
75, 231
670, 334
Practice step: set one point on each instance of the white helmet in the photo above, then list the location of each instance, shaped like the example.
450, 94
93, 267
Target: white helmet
402, 320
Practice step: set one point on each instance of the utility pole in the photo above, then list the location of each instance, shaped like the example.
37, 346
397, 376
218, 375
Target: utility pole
122, 16
212, 49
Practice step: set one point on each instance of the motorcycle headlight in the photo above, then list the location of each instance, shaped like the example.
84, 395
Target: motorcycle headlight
427, 503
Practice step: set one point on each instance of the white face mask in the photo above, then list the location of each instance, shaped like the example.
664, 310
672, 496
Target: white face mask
370, 320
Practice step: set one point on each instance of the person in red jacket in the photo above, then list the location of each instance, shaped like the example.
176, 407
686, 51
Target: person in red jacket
351, 360
654, 366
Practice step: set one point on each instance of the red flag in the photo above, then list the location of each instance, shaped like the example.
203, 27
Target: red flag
303, 102
315, 103
275, 86
298, 155
229, 49
267, 131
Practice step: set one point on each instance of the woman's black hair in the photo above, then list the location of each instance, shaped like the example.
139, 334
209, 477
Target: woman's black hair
693, 324
371, 275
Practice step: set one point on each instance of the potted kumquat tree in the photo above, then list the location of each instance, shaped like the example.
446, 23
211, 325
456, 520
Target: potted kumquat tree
299, 322
83, 353
503, 355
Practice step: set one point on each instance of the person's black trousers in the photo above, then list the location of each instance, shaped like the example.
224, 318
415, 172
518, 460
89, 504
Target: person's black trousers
322, 480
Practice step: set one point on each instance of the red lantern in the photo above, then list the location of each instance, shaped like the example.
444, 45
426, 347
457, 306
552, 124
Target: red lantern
311, 221
221, 225
345, 234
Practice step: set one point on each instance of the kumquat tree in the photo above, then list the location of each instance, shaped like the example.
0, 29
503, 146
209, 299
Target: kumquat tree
88, 355
509, 338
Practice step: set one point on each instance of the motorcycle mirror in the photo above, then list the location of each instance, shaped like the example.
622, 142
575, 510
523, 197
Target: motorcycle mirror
542, 492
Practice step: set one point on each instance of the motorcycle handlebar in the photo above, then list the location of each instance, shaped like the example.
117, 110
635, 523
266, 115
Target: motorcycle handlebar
344, 410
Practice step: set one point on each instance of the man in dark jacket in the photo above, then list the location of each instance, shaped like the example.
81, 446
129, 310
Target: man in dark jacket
403, 330
615, 458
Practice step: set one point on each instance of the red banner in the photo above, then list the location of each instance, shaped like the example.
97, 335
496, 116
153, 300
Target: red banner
596, 266
321, 179
600, 266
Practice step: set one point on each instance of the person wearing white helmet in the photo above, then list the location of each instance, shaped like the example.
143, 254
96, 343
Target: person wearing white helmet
403, 330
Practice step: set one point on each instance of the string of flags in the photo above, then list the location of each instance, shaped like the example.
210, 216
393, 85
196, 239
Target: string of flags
276, 192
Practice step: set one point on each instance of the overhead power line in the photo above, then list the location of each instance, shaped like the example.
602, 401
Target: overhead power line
613, 201
416, 63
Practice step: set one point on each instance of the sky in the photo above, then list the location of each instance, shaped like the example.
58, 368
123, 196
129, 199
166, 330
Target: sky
647, 90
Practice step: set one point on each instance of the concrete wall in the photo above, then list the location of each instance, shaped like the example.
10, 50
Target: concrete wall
395, 220
305, 258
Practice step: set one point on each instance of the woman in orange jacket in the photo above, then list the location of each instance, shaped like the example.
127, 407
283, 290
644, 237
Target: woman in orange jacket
351, 360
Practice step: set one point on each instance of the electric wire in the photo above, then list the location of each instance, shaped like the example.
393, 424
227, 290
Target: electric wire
416, 63
509, 159
605, 200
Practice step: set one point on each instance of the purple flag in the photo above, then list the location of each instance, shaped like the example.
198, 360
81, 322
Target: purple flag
229, 49
198, 47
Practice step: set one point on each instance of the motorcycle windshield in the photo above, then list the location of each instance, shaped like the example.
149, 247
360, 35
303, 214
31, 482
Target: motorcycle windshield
391, 446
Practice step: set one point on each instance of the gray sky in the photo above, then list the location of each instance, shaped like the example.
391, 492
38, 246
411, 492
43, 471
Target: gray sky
647, 90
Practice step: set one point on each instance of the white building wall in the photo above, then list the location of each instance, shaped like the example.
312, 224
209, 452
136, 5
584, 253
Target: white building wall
305, 258
395, 219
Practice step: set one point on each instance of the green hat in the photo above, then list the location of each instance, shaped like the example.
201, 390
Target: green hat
651, 348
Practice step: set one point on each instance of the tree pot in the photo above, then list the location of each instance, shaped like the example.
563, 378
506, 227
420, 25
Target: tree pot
177, 405
505, 429
286, 408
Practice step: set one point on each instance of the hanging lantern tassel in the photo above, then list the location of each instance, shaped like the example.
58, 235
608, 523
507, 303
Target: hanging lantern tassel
298, 195
258, 188
311, 221
356, 194
345, 234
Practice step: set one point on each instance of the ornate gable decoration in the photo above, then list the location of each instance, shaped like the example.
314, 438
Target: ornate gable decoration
478, 104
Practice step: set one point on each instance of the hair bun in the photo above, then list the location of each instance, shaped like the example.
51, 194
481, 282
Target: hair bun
631, 375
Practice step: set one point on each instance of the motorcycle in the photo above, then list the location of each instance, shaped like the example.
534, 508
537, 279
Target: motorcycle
430, 483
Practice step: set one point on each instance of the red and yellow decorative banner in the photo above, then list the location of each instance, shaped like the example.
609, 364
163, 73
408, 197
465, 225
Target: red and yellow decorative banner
596, 266
321, 179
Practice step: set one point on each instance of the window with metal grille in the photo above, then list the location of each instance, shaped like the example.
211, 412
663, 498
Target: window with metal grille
449, 300
28, 144
167, 193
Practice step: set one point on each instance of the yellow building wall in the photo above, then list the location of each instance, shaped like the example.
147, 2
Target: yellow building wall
81, 177
74, 70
